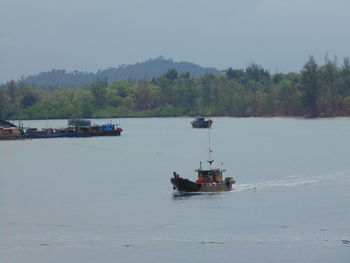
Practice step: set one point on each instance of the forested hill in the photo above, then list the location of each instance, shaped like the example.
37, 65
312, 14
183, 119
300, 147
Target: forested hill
144, 70
315, 91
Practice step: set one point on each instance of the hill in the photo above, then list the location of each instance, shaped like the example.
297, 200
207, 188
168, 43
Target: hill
144, 70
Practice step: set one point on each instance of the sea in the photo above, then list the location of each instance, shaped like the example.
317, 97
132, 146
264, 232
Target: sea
109, 199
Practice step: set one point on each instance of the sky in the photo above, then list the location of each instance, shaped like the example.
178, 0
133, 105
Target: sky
91, 35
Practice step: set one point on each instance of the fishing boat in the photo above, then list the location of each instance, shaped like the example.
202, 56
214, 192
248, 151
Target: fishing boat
208, 180
201, 123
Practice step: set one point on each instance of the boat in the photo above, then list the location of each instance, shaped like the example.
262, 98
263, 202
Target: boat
208, 180
201, 123
76, 128
107, 129
34, 133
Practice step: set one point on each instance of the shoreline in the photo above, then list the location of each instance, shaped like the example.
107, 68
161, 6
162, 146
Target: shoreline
188, 116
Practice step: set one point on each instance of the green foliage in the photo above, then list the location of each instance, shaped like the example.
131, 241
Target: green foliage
315, 91
79, 122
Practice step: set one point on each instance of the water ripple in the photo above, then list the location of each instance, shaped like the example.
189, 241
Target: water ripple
342, 177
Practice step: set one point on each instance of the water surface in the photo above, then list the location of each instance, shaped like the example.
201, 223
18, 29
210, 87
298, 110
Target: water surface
109, 199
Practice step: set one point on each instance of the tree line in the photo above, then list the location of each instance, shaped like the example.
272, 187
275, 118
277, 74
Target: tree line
316, 91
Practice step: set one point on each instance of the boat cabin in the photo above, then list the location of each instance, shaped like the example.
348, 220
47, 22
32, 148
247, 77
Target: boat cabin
209, 176
103, 127
108, 127
200, 120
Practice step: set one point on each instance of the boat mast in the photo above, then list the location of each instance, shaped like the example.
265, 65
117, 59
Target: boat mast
210, 161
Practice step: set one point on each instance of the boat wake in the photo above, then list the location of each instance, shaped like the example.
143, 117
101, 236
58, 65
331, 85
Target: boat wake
294, 181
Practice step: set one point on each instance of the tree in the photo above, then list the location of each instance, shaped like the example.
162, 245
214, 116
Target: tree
122, 92
142, 97
85, 104
230, 73
185, 75
287, 97
171, 74
257, 72
11, 91
29, 96
329, 74
234, 73
345, 77
99, 92
346, 65
311, 87
278, 77
2, 103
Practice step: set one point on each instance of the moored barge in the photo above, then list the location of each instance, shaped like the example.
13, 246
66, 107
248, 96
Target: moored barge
108, 129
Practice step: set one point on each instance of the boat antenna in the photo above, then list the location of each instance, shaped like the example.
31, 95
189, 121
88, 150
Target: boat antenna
46, 123
210, 161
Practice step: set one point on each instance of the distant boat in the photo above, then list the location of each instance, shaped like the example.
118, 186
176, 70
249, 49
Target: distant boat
201, 123
208, 180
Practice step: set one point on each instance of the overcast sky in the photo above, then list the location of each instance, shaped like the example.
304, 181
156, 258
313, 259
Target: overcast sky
88, 35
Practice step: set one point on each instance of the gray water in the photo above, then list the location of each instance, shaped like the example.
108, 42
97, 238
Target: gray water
109, 199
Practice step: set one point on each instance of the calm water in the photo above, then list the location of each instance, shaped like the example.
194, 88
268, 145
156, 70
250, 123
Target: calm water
109, 199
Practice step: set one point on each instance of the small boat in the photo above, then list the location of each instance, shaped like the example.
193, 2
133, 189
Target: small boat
208, 180
201, 123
